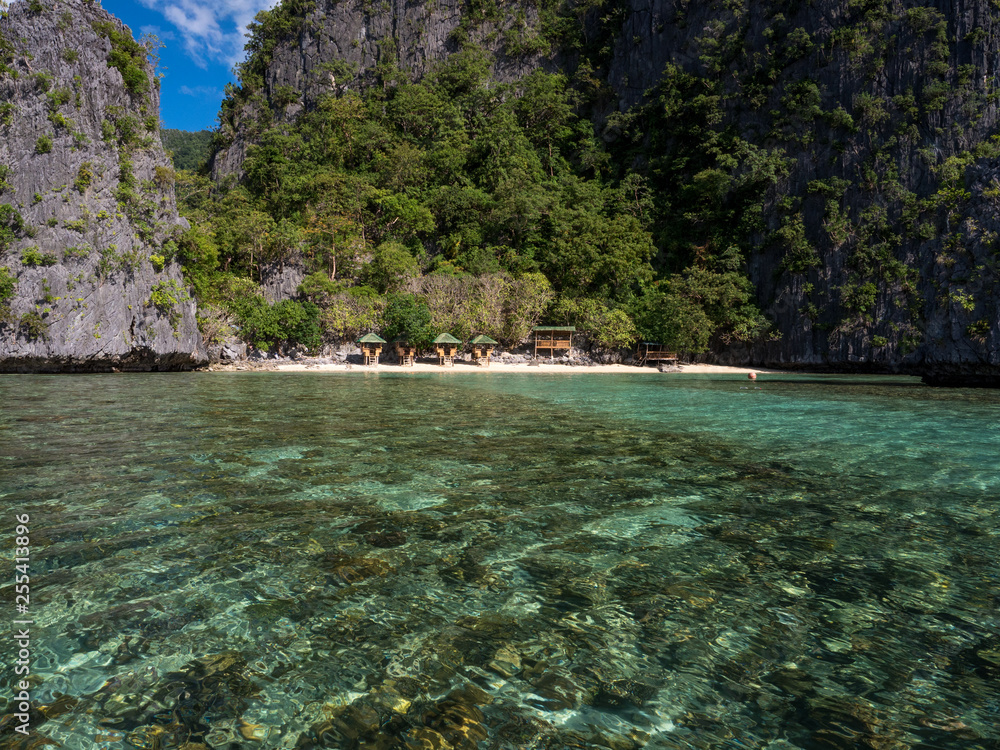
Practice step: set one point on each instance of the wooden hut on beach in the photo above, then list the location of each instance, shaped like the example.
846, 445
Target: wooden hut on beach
446, 347
371, 347
553, 338
407, 353
650, 351
482, 349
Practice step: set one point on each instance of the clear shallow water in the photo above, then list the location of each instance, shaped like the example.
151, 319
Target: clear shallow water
500, 561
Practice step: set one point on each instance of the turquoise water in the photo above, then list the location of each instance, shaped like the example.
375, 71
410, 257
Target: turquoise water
250, 560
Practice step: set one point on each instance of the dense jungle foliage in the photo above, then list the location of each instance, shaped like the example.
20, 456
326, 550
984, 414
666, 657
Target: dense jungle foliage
483, 207
188, 150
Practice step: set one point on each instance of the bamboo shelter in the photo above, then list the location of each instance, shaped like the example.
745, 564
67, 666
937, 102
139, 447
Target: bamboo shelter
553, 338
652, 352
482, 349
371, 347
446, 347
407, 353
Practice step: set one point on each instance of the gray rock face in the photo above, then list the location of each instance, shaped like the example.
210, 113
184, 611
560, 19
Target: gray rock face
962, 344
907, 282
280, 280
87, 201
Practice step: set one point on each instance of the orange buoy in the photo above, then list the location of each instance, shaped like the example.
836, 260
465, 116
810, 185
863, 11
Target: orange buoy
751, 376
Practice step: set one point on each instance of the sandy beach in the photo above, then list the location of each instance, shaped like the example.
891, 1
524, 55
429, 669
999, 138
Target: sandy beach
468, 367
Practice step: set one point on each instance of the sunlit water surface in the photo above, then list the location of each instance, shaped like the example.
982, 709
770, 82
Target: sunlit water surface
255, 560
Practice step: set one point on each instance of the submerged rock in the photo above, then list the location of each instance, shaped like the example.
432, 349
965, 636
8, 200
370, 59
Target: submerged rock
349, 570
844, 722
386, 540
457, 721
618, 693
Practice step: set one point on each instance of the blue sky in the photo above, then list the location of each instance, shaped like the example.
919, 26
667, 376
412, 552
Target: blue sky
203, 40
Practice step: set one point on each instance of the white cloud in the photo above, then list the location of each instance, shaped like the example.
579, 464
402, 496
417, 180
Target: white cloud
202, 92
212, 31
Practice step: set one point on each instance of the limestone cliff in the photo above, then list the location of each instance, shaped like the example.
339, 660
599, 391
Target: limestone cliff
87, 280
877, 251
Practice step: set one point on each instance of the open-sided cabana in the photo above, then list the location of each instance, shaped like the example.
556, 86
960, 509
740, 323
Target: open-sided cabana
406, 352
482, 349
371, 347
553, 338
650, 351
446, 347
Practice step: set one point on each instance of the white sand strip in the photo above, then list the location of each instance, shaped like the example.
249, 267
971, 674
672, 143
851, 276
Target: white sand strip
468, 367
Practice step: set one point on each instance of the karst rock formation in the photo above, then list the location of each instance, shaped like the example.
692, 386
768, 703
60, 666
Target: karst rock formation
87, 209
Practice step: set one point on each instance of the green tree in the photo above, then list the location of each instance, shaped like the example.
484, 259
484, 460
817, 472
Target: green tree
285, 242
396, 216
686, 310
461, 74
609, 327
391, 267
319, 289
189, 150
408, 319
420, 113
347, 315
286, 323
242, 232
8, 283
590, 253
334, 241
199, 258
298, 323
545, 110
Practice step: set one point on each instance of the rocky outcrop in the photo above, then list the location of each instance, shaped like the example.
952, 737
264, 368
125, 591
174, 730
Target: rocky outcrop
962, 329
86, 201
280, 281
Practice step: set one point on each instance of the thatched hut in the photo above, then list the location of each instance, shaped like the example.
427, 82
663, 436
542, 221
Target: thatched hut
371, 347
482, 349
446, 347
406, 352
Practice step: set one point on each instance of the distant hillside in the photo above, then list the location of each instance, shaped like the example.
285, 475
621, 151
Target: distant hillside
190, 150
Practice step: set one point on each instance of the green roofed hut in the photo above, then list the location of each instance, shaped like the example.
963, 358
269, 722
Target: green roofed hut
371, 347
553, 338
482, 349
446, 347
